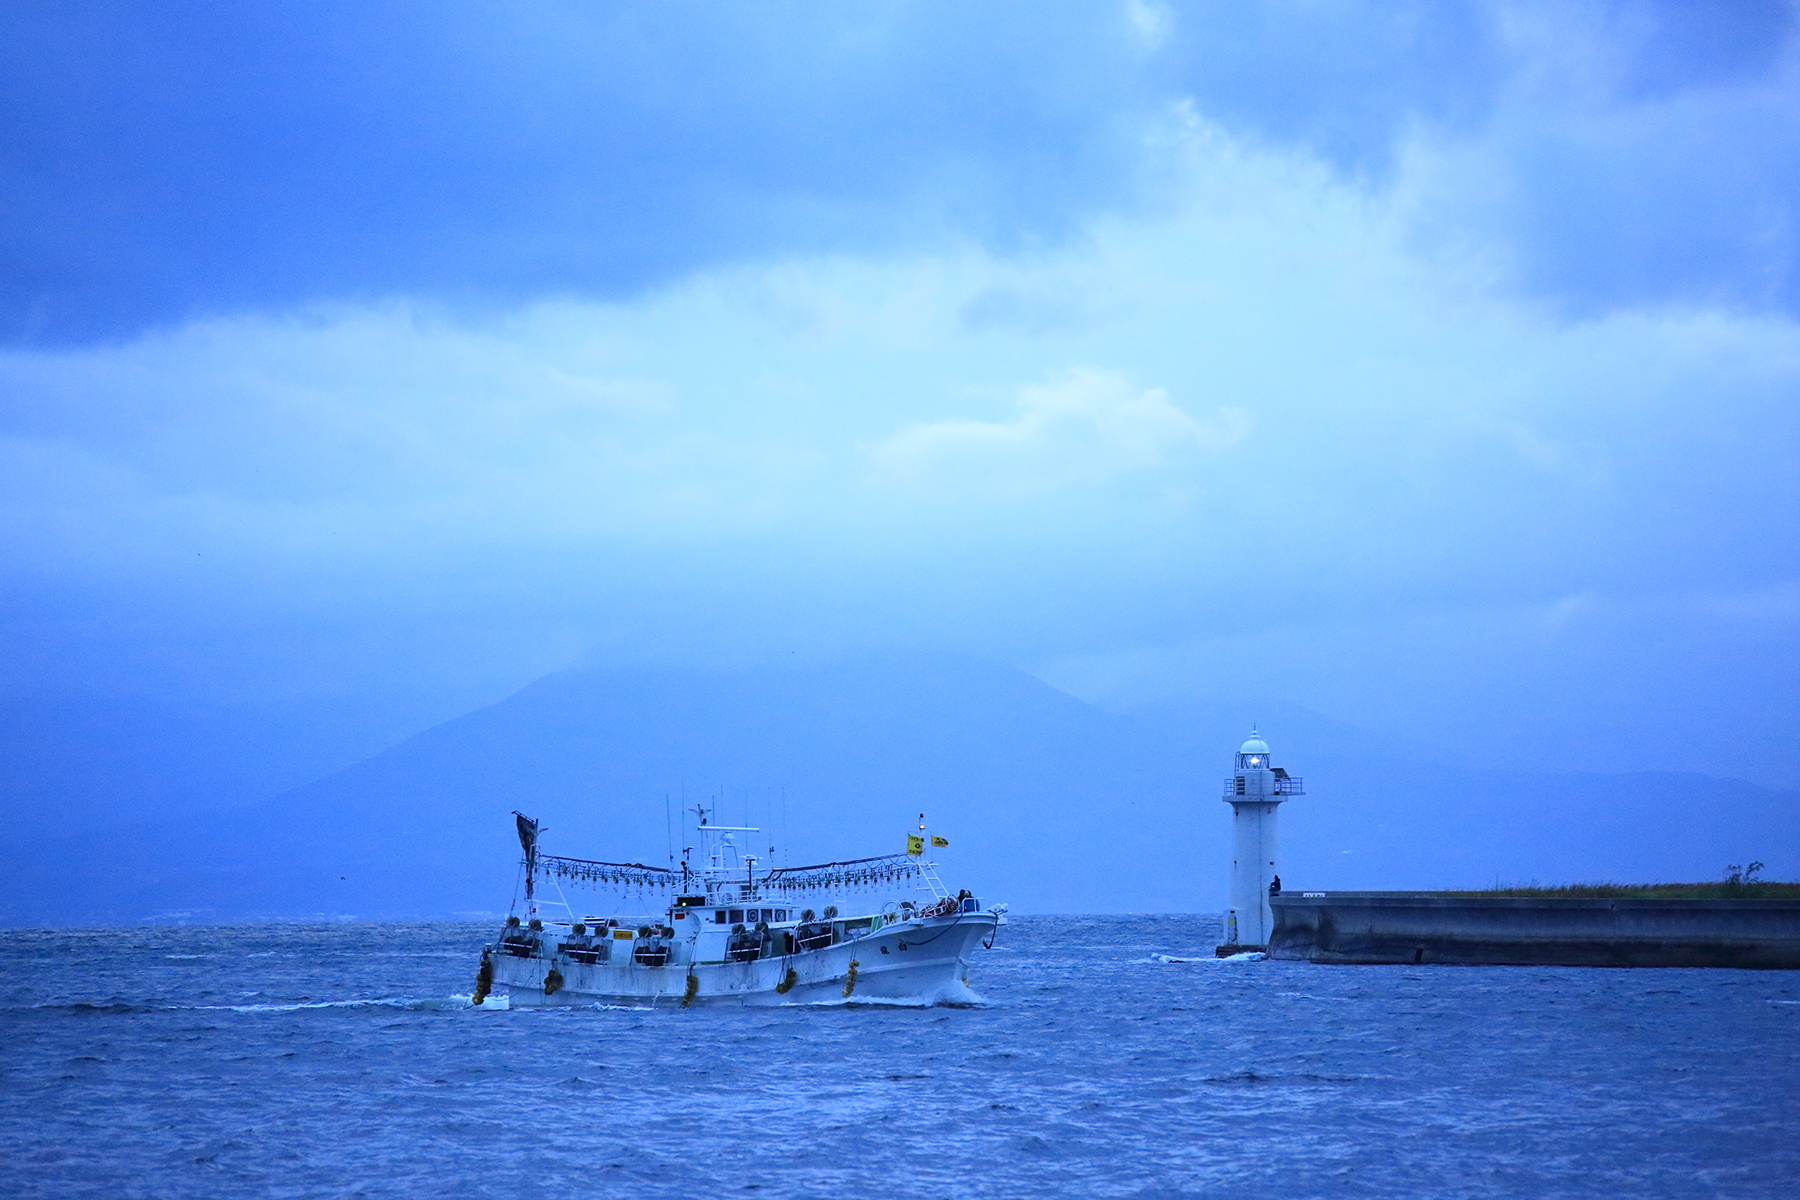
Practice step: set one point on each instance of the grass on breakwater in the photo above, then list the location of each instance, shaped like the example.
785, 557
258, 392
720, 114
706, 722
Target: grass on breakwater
1724, 890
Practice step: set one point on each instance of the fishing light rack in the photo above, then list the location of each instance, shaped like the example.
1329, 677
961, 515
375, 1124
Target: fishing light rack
855, 872
606, 874
884, 869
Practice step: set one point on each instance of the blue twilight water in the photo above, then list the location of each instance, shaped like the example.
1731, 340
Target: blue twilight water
343, 1061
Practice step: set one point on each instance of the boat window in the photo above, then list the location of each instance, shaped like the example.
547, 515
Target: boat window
737, 914
781, 914
718, 916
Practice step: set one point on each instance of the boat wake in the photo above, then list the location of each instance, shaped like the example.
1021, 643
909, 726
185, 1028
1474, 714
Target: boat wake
406, 1004
1246, 956
126, 1008
952, 995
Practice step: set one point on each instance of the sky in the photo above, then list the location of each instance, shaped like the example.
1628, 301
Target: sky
1430, 365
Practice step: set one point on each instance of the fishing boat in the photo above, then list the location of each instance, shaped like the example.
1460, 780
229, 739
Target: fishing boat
716, 930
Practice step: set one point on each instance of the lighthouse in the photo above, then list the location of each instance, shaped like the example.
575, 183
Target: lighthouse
1255, 792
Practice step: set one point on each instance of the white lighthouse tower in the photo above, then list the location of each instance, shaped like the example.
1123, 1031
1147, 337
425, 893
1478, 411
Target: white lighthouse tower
1254, 792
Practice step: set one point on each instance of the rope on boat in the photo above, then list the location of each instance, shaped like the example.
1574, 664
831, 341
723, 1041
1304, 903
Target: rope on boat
940, 933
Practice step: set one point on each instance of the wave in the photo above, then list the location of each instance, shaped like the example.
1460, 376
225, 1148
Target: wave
118, 1008
405, 1003
1300, 1079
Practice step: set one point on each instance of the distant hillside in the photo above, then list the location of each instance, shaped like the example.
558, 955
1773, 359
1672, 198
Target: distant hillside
1384, 812
1049, 803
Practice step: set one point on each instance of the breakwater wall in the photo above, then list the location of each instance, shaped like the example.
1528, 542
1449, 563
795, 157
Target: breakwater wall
1436, 927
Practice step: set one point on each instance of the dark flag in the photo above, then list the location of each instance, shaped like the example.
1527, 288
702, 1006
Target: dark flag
528, 831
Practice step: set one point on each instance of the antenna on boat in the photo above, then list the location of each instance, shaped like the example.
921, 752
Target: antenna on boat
668, 829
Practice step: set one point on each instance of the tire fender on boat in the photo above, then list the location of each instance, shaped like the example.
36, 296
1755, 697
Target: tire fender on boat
552, 982
850, 980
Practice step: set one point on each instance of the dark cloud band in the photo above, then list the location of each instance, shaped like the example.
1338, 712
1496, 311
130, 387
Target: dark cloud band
166, 161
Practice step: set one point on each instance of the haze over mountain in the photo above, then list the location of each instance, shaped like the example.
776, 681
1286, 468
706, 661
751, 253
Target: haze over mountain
1048, 802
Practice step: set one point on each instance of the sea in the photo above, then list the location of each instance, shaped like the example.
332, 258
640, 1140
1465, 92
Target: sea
1110, 1056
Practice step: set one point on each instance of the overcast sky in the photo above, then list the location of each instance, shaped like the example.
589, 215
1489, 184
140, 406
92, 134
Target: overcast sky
1434, 366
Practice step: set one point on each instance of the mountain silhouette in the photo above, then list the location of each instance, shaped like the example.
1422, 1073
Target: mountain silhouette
1049, 803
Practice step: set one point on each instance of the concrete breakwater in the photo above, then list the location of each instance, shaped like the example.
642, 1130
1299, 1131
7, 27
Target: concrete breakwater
1437, 927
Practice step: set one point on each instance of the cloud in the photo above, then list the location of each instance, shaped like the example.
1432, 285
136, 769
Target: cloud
1636, 155
1601, 156
1150, 21
926, 343
1412, 436
170, 162
1270, 357
1086, 426
1346, 82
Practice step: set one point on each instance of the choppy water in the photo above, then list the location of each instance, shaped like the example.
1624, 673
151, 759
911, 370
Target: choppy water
340, 1061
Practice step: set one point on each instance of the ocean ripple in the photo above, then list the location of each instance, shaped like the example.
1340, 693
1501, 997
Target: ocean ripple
347, 1060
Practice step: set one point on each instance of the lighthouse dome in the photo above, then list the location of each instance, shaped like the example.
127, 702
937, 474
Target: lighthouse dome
1254, 746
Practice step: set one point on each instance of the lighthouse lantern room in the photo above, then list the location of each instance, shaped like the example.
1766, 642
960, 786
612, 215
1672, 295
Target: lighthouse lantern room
1254, 791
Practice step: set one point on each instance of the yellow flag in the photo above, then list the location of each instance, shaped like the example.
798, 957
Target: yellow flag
939, 841
915, 845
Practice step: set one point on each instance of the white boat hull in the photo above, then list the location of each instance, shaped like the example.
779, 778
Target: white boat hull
921, 961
